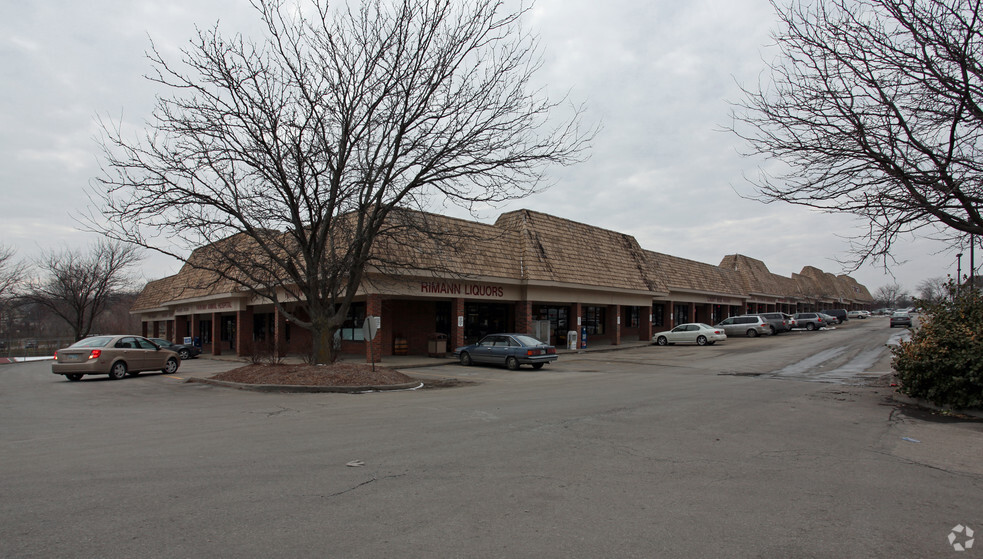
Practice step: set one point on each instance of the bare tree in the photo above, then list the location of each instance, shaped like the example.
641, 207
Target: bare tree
12, 273
893, 295
289, 158
934, 290
874, 108
76, 286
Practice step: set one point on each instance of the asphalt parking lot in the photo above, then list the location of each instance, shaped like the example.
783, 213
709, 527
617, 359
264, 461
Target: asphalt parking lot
656, 451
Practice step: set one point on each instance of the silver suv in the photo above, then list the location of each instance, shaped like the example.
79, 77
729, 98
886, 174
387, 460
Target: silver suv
747, 325
779, 321
811, 320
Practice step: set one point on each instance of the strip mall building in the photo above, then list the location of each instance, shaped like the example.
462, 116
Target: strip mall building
539, 274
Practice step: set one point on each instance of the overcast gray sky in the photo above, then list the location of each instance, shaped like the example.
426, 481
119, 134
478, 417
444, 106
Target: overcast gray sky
656, 75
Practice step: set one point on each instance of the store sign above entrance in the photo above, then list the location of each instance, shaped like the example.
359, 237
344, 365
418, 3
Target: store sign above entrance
462, 289
206, 307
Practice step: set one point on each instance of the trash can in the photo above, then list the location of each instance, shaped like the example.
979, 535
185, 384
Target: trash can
437, 345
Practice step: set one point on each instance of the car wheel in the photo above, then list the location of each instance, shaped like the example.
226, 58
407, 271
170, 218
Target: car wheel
118, 371
537, 366
74, 377
702, 340
773, 331
752, 333
662, 340
512, 363
170, 367
184, 354
810, 327
466, 359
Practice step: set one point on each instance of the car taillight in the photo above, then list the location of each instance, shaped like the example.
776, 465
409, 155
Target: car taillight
717, 332
530, 352
551, 351
56, 356
95, 354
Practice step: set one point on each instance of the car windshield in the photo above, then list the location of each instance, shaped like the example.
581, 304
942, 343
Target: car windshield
97, 341
527, 340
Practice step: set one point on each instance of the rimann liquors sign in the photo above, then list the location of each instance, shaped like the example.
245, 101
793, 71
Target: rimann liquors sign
462, 289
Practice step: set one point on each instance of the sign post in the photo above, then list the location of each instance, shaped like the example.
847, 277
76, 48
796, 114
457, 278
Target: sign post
369, 329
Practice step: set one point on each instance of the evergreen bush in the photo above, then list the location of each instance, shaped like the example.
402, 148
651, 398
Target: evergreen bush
943, 361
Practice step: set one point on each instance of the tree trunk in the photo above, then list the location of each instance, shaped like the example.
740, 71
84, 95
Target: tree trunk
322, 337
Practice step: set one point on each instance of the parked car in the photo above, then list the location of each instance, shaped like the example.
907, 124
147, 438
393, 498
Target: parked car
691, 333
839, 314
511, 350
901, 318
777, 321
810, 320
747, 325
857, 314
116, 356
830, 319
185, 351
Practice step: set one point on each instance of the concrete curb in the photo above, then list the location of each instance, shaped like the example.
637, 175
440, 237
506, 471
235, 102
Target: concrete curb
307, 388
902, 399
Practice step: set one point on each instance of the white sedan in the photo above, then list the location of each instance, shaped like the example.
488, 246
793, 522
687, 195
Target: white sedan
692, 333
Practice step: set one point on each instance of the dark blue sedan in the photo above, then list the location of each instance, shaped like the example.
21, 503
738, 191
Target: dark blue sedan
185, 351
511, 350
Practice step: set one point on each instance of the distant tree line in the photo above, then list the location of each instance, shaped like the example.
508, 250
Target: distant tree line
71, 293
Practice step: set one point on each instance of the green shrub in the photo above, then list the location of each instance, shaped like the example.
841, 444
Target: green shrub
943, 362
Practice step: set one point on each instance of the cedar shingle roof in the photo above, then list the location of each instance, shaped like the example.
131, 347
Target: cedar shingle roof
683, 274
534, 247
560, 250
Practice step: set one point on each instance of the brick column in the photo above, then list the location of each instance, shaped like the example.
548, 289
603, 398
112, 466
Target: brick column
645, 323
195, 328
216, 334
523, 317
143, 328
576, 322
692, 312
279, 333
457, 324
614, 323
244, 332
373, 349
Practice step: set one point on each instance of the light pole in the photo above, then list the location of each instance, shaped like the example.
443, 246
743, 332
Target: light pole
959, 273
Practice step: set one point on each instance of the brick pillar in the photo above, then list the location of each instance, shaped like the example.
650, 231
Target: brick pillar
614, 323
692, 312
244, 332
143, 328
195, 328
373, 349
457, 323
576, 322
523, 317
216, 334
279, 333
645, 324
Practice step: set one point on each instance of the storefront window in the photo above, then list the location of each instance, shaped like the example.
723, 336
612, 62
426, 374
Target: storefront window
205, 329
658, 314
594, 320
559, 318
351, 330
631, 317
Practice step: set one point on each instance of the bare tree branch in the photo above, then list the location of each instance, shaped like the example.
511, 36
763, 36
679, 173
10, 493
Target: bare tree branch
874, 107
